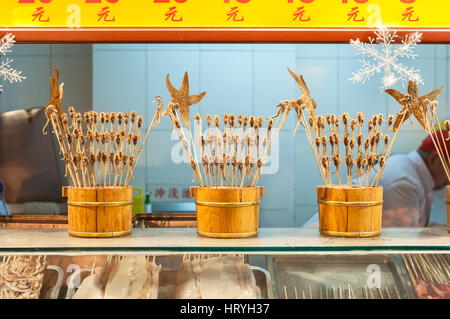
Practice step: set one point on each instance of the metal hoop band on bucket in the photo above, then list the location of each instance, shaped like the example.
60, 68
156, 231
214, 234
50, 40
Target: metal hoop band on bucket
99, 204
228, 235
350, 234
99, 235
350, 204
227, 204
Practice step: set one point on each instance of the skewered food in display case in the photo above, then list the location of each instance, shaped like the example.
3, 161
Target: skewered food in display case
227, 160
100, 155
315, 277
405, 263
225, 277
130, 277
22, 277
350, 156
430, 275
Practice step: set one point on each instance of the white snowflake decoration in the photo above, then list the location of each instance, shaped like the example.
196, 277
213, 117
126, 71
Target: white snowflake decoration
6, 71
386, 57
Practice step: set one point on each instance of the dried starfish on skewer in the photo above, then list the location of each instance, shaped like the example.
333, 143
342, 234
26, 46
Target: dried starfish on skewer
413, 103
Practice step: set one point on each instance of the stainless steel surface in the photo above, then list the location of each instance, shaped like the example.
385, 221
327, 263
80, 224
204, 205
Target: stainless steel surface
263, 282
339, 277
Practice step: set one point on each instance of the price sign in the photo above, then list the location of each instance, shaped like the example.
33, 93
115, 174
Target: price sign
190, 15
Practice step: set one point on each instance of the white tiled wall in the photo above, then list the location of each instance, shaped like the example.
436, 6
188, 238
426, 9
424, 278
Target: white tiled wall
251, 78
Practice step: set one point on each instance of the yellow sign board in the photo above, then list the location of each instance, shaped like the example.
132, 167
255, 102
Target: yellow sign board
224, 13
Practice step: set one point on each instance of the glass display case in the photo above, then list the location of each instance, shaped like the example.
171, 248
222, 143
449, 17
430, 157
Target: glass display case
286, 263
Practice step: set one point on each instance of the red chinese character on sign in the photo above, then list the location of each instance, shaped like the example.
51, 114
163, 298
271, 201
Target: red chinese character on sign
299, 15
39, 14
173, 192
354, 15
233, 13
104, 14
171, 14
408, 14
186, 193
159, 192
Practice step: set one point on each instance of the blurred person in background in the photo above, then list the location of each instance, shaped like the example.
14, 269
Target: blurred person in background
409, 182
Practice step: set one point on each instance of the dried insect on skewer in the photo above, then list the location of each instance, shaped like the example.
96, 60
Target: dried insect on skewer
92, 160
205, 167
98, 157
117, 161
326, 167
105, 166
126, 121
133, 116
111, 165
135, 140
129, 172
71, 111
337, 163
139, 122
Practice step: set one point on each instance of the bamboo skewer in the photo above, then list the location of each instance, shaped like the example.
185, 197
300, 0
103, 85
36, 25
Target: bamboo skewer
413, 278
396, 291
380, 292
388, 293
368, 152
371, 294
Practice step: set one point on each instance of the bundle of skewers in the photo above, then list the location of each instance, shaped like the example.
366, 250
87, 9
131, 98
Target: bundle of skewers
231, 152
100, 152
340, 292
98, 149
351, 155
22, 277
430, 275
340, 145
352, 150
227, 156
227, 151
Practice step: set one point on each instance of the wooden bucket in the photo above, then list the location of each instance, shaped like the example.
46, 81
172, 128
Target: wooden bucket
227, 212
448, 209
99, 211
347, 211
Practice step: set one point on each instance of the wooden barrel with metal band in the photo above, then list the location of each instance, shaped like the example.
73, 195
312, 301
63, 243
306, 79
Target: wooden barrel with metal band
347, 211
227, 212
100, 211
